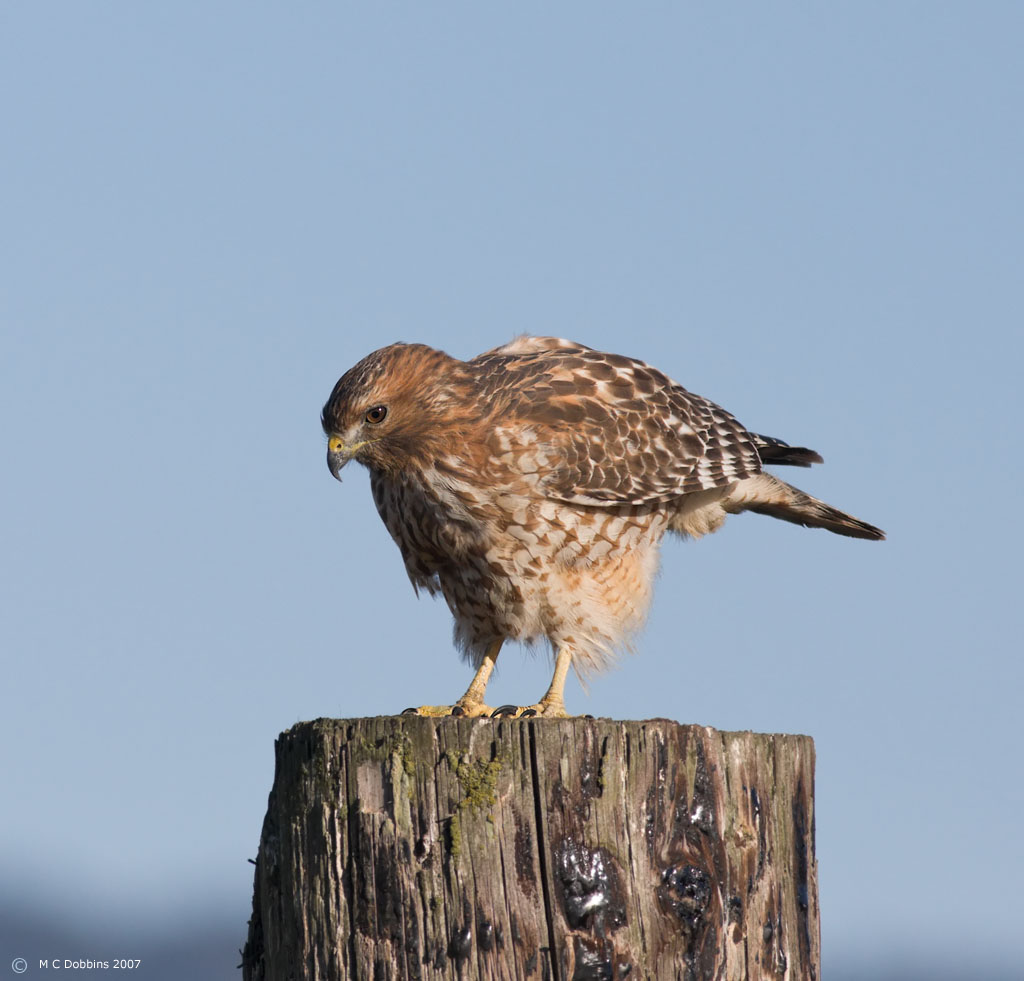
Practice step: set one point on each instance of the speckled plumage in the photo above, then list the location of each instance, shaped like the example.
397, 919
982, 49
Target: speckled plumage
531, 486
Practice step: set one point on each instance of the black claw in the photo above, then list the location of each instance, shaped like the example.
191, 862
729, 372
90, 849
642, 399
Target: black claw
457, 710
503, 710
526, 713
410, 711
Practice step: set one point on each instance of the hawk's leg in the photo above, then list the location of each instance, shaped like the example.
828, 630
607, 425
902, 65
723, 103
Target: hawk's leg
552, 705
471, 704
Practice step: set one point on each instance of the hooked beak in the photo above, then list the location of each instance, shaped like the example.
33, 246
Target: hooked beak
338, 454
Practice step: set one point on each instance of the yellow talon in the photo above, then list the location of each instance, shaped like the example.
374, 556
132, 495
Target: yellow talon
471, 705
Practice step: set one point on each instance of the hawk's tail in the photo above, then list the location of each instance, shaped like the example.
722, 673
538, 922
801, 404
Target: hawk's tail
766, 494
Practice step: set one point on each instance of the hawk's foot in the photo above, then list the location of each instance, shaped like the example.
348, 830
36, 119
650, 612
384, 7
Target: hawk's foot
465, 708
547, 708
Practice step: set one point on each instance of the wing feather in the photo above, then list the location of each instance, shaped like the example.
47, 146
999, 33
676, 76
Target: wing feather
614, 430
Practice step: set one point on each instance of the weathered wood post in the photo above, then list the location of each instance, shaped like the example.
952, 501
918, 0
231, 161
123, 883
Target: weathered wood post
405, 847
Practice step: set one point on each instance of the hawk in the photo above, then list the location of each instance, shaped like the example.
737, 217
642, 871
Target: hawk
531, 487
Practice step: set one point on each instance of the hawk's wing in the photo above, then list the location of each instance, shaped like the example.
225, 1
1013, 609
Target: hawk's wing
612, 430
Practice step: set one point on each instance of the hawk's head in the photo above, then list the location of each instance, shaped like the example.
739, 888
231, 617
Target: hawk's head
390, 407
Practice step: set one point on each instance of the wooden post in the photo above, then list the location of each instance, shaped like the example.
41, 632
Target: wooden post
414, 848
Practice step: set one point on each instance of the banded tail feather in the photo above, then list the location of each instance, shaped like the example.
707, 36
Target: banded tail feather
766, 494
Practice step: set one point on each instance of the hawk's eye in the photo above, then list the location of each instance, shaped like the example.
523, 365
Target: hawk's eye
377, 413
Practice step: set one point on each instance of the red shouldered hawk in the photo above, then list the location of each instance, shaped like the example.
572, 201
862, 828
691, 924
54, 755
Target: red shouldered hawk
531, 486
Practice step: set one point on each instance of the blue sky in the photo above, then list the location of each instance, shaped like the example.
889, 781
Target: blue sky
812, 216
